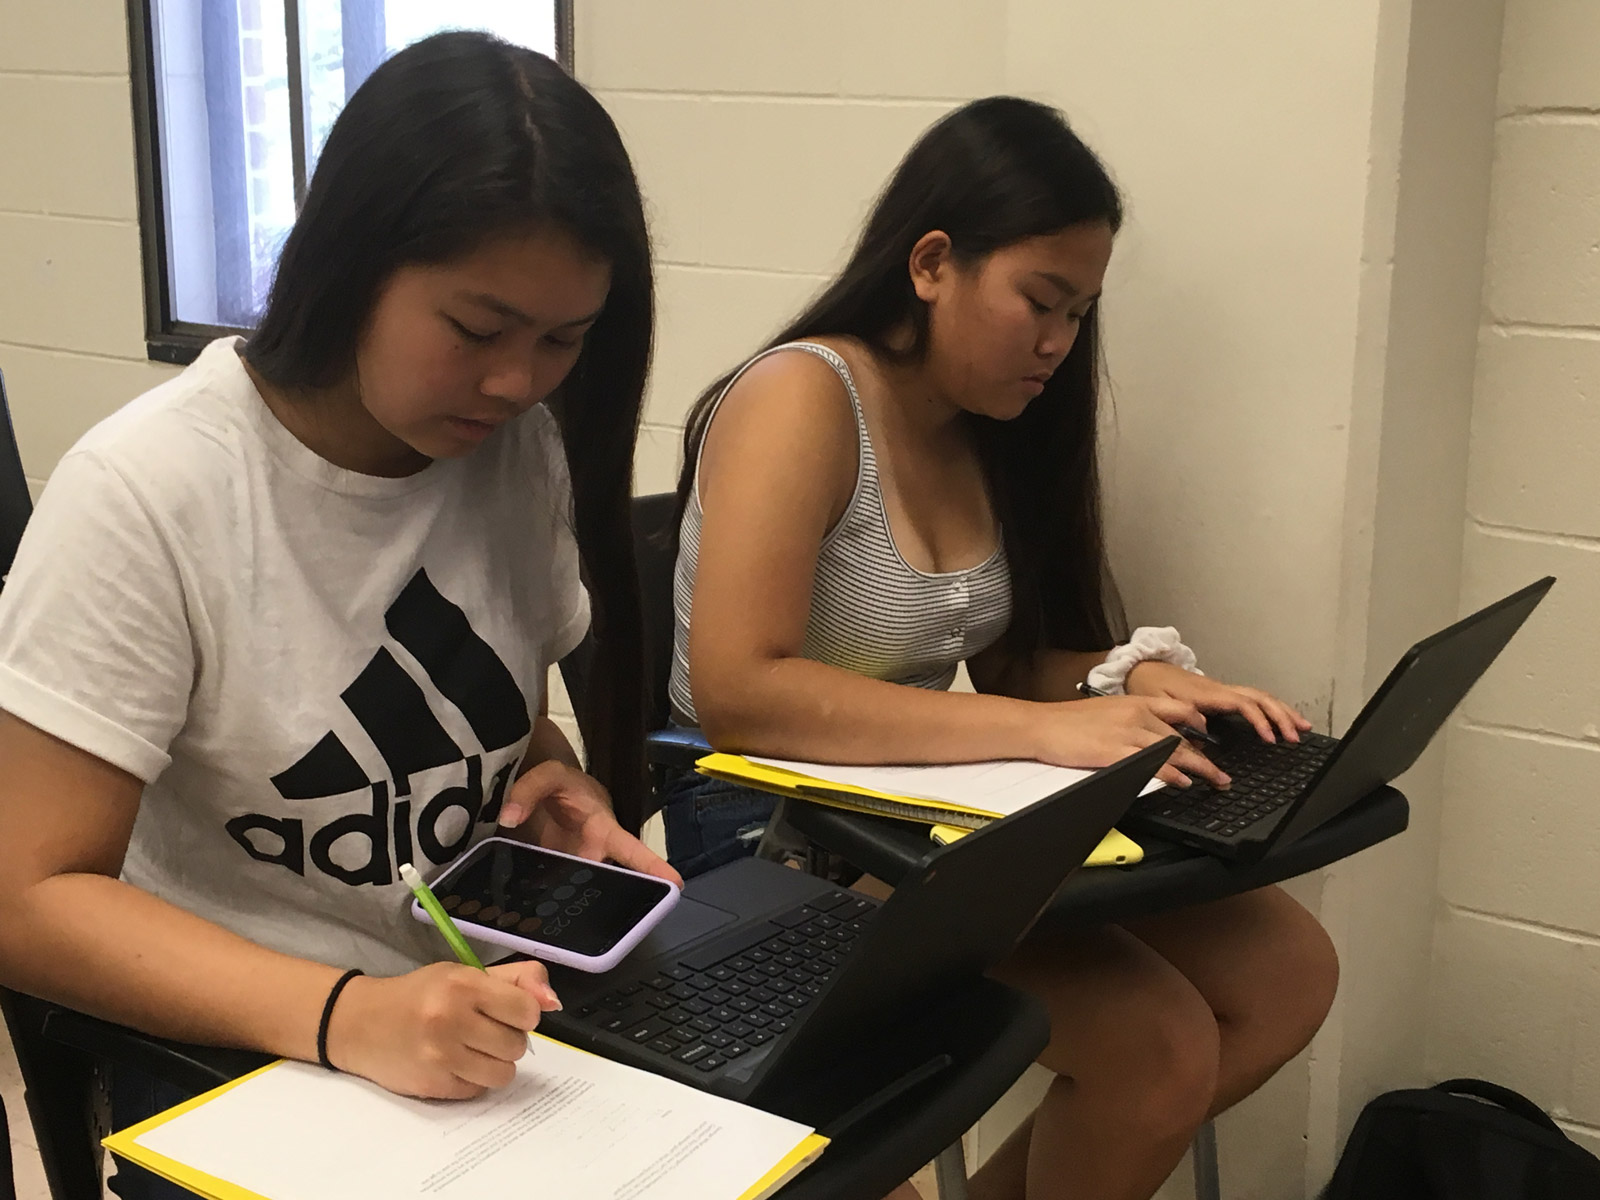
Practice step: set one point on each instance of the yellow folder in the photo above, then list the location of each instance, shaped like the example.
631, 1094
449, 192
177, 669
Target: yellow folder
948, 822
293, 1130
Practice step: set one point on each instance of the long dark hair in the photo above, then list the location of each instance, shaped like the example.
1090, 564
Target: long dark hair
990, 174
453, 141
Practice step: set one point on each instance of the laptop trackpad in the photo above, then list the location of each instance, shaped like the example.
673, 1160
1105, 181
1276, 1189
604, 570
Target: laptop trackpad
689, 919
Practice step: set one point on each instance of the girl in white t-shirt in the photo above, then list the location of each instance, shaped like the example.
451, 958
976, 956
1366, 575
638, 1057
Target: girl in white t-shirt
285, 622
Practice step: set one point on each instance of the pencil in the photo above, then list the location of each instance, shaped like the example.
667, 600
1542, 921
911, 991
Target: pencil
442, 922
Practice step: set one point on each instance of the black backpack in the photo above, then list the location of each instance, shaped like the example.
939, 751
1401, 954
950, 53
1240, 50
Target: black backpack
1463, 1139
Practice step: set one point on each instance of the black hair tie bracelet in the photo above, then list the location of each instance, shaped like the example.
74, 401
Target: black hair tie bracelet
327, 1016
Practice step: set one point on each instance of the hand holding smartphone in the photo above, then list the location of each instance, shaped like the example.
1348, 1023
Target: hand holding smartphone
555, 907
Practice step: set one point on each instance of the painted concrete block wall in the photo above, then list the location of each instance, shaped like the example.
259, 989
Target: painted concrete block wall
1235, 379
71, 309
760, 133
1516, 983
1253, 266
1251, 282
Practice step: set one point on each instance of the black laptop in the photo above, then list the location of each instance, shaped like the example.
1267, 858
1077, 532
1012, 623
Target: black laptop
1282, 791
763, 975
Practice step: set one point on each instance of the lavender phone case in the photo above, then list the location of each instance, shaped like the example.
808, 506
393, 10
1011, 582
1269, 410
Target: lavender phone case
542, 950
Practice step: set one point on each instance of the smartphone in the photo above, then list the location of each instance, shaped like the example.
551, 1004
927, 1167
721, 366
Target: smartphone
555, 907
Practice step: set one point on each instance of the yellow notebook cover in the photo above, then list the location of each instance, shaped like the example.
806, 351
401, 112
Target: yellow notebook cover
317, 1089
1115, 849
125, 1144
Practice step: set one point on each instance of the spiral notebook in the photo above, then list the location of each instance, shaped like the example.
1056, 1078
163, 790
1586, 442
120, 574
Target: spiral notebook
570, 1125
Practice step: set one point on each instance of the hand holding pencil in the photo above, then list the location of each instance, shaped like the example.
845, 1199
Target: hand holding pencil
446, 1031
458, 943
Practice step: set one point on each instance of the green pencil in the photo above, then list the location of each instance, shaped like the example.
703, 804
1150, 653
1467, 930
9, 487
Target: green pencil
441, 920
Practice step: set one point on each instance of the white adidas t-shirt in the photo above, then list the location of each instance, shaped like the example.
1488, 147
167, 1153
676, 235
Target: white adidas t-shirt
318, 674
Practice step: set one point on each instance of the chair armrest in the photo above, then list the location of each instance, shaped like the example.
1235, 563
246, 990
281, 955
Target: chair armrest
674, 747
884, 847
988, 1038
1173, 877
1169, 877
194, 1068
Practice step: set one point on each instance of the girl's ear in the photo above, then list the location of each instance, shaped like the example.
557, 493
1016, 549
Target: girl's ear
930, 265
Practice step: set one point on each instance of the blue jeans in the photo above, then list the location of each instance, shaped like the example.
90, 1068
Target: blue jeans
134, 1098
711, 821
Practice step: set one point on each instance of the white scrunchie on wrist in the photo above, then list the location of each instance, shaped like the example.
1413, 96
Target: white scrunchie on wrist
1149, 643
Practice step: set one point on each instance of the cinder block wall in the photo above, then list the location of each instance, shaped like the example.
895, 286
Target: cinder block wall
760, 141
760, 136
1516, 983
71, 299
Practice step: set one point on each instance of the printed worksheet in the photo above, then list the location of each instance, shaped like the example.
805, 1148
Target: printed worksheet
997, 788
571, 1125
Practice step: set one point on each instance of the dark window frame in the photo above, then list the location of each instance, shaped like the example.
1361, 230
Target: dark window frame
168, 339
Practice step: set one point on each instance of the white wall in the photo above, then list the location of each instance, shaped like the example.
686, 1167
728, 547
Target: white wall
71, 308
1423, 266
760, 133
1291, 322
1248, 318
1517, 957
1256, 143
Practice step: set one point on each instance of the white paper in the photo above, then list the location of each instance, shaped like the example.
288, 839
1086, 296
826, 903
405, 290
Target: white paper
571, 1125
997, 788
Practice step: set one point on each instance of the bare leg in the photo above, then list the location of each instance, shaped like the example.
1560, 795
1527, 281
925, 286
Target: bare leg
1154, 1029
1005, 1173
1136, 1050
1265, 967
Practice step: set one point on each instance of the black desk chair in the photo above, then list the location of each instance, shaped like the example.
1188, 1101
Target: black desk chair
991, 1037
57, 1049
1001, 1032
1170, 877
667, 749
655, 551
905, 1136
15, 508
16, 505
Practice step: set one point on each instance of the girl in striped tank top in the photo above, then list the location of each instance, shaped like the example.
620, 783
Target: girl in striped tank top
905, 481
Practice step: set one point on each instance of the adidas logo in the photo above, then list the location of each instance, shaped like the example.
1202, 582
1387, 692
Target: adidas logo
393, 712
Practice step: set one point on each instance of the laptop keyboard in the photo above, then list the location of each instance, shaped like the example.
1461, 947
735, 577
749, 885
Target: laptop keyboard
1266, 776
738, 993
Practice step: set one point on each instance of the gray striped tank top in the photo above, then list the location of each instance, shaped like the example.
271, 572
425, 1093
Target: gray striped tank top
871, 611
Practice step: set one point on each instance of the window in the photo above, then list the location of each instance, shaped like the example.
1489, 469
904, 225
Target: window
233, 100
